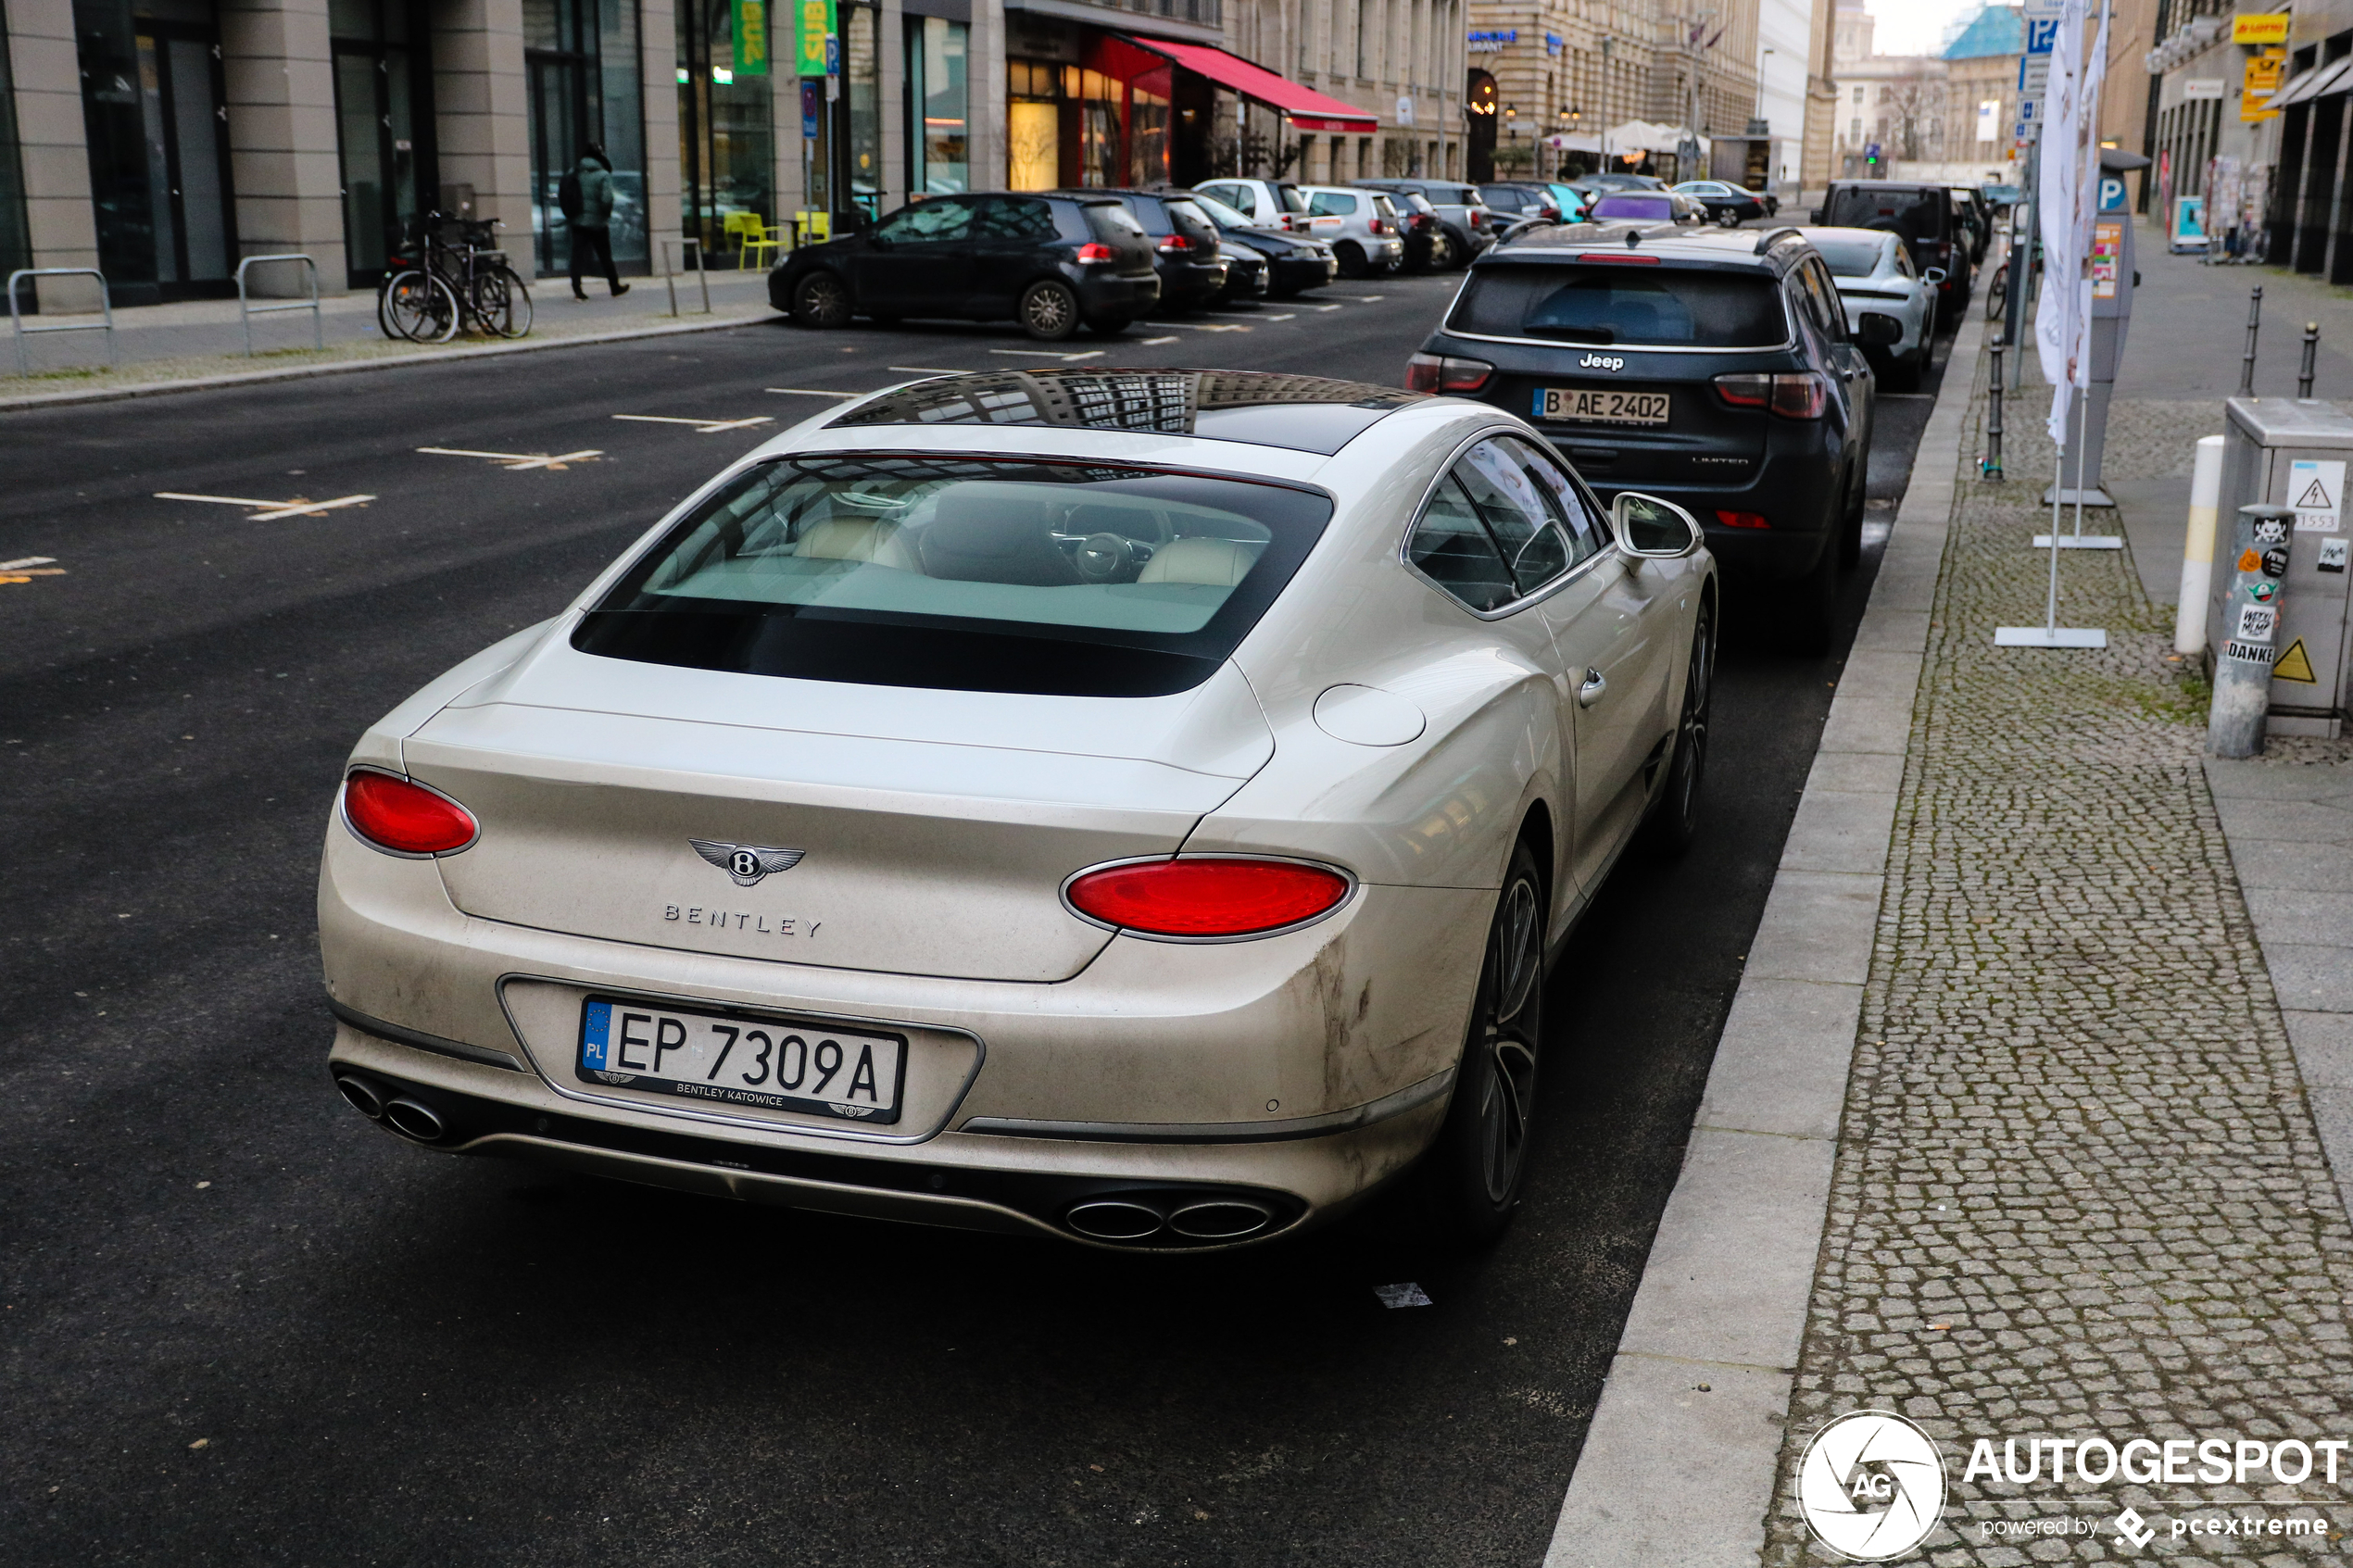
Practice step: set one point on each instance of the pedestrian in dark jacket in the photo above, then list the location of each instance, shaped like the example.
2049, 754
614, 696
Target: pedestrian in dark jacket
592, 231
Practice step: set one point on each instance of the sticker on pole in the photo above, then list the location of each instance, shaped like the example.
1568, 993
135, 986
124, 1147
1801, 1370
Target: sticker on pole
2333, 554
2247, 653
2316, 490
2256, 623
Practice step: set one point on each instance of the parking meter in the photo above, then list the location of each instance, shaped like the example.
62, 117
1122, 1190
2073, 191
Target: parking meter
2292, 453
2114, 276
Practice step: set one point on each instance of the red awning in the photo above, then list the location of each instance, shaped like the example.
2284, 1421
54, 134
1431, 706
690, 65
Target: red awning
1305, 107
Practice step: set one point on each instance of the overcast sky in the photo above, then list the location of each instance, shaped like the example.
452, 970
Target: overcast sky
1915, 27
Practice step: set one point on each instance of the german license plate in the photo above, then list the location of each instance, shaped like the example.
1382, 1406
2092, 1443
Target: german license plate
1601, 405
735, 1061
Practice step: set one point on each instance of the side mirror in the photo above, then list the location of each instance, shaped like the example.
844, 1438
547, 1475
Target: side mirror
1815, 217
1879, 330
1653, 528
1933, 275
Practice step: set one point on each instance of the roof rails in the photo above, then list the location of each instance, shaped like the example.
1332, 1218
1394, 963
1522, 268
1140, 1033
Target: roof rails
1774, 237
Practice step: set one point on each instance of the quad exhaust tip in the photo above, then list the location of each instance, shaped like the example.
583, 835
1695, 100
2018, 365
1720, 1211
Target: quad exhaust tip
1137, 1219
362, 1096
413, 1120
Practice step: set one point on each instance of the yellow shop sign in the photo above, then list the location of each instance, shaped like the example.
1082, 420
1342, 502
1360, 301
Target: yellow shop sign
2269, 28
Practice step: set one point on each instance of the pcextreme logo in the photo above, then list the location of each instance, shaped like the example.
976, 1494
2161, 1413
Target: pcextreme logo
1871, 1486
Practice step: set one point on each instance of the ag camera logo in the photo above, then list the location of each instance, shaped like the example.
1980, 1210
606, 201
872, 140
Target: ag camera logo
1871, 1486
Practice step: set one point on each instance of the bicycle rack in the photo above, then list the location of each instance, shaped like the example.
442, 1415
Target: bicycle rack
16, 312
670, 273
247, 310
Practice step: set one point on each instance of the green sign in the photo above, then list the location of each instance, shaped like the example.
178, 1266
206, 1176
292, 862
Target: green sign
751, 37
812, 26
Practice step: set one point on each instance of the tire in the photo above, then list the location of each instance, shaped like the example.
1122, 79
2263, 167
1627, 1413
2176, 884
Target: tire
1109, 326
419, 308
1352, 258
502, 304
1471, 1177
1727, 218
821, 300
1674, 816
1442, 252
1048, 311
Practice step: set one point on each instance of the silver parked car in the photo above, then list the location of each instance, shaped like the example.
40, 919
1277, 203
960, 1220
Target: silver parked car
1266, 204
1136, 807
1361, 227
1872, 271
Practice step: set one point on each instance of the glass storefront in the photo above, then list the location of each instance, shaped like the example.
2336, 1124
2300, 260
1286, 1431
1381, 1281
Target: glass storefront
383, 127
938, 105
155, 114
1033, 125
726, 132
16, 241
861, 84
581, 58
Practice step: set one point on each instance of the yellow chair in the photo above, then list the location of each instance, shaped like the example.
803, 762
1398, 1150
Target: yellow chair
744, 229
765, 241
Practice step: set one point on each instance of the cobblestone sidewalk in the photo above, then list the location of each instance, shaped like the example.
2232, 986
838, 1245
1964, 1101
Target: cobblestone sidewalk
2079, 1192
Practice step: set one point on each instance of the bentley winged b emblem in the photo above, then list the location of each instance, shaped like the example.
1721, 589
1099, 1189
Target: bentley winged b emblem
747, 862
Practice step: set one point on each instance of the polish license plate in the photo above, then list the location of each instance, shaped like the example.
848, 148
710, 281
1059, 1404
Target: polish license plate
768, 1063
1601, 405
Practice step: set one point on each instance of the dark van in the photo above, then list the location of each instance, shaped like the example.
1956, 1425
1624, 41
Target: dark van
1922, 214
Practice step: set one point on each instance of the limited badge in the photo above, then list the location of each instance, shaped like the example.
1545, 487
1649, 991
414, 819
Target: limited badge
2275, 563
2250, 561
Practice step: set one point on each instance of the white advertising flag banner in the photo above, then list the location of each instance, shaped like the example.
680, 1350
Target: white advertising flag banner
2069, 178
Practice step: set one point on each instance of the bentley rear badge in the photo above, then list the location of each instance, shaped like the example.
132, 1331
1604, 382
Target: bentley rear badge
747, 864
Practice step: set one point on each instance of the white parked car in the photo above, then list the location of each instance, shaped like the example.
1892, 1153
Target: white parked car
1134, 807
1267, 203
1873, 272
1367, 236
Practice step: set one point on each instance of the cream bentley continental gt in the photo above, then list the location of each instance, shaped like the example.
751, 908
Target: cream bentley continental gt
1133, 806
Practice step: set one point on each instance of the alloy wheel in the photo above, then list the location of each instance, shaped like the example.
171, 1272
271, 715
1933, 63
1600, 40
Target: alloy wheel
1509, 1036
822, 302
1049, 311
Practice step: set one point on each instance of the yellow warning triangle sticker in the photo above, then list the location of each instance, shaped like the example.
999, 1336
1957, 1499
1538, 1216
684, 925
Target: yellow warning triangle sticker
2295, 665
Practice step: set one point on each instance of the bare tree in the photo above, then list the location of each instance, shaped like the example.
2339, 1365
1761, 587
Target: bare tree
1914, 109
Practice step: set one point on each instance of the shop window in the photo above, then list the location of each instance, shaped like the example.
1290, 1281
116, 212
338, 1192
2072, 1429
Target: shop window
938, 104
155, 114
16, 241
581, 66
384, 129
726, 128
862, 70
1148, 129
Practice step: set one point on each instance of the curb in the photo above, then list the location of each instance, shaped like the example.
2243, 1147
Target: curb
349, 367
1672, 1476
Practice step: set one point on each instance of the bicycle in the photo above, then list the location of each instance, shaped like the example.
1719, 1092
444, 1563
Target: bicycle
456, 279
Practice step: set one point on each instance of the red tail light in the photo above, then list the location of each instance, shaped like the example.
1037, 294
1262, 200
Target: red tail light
1374, 226
1742, 520
1176, 244
404, 817
1431, 372
1206, 897
1549, 214
1803, 396
1092, 253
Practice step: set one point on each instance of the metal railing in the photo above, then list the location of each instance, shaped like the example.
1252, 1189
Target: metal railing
670, 273
16, 311
247, 310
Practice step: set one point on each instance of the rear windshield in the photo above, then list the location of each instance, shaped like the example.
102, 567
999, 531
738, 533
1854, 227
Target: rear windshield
1623, 303
1916, 215
1109, 222
1190, 221
1228, 217
1850, 258
1643, 207
963, 575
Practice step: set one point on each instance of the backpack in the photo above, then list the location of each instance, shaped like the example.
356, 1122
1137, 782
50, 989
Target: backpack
567, 196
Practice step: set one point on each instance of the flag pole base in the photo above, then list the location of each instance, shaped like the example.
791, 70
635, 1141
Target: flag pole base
2095, 497
2080, 542
2049, 637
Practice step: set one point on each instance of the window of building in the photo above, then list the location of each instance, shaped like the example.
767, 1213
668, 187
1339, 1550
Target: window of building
16, 241
156, 111
938, 105
384, 129
727, 128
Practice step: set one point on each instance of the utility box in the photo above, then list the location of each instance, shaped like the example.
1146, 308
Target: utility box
2290, 452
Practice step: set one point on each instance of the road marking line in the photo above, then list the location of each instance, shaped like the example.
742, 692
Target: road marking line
516, 461
1286, 316
706, 427
1153, 342
24, 561
1368, 298
270, 511
929, 370
1202, 326
1322, 307
810, 392
1050, 353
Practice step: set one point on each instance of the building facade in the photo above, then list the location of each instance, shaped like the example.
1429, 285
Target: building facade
1944, 116
161, 140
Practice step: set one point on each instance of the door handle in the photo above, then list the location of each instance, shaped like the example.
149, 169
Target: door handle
1590, 692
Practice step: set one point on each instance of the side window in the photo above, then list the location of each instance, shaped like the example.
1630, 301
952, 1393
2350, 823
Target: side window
1587, 532
1515, 513
1325, 203
928, 222
1451, 548
1826, 300
1014, 217
1903, 260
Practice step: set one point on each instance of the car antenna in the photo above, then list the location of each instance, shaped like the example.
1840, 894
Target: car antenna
1633, 238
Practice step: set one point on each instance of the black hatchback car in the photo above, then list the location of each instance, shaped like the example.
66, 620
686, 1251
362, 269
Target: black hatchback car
1050, 262
1923, 214
1185, 245
1713, 368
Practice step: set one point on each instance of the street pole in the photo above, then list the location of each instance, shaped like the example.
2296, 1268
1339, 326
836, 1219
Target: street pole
2250, 621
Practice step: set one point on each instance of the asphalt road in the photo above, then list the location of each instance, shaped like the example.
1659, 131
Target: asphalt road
241, 1325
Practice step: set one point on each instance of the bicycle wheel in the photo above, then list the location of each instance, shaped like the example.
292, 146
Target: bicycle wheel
501, 302
421, 307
